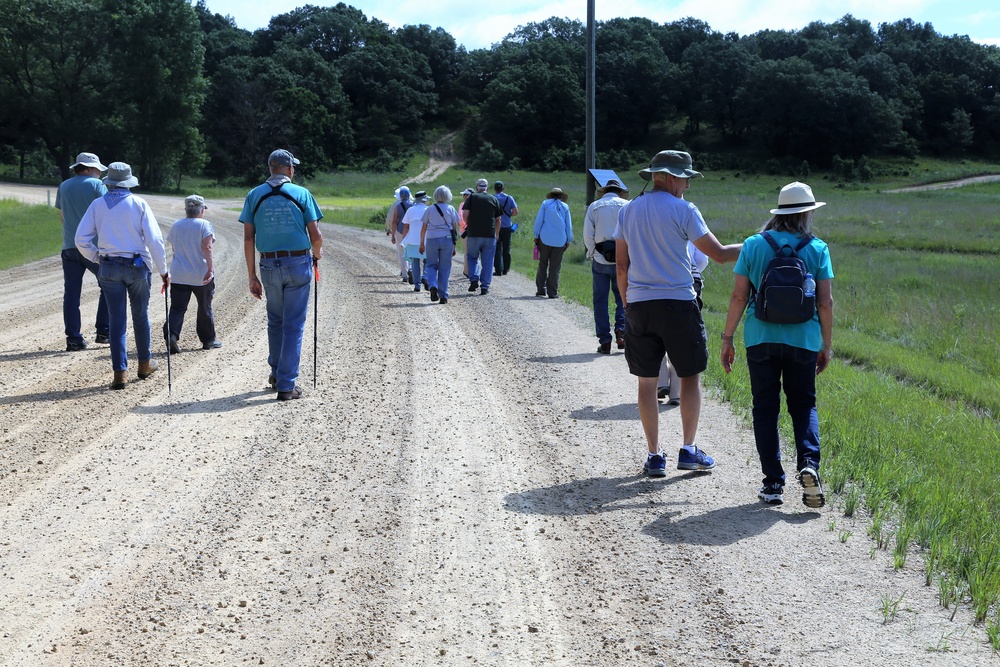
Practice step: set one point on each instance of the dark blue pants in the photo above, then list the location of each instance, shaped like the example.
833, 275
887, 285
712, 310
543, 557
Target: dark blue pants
180, 296
770, 364
75, 267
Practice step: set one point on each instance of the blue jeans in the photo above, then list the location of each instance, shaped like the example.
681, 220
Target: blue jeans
126, 284
75, 266
286, 283
437, 266
769, 364
479, 251
606, 277
415, 264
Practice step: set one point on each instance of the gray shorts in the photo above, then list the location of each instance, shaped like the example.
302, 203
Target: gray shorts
665, 326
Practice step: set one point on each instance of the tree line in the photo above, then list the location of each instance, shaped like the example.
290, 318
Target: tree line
179, 90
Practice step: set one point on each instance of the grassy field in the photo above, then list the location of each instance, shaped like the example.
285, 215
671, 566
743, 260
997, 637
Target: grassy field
909, 407
27, 233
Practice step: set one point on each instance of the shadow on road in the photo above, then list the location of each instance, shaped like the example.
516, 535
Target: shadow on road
724, 526
249, 399
593, 496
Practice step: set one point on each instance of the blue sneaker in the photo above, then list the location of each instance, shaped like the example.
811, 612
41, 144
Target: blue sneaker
656, 465
699, 460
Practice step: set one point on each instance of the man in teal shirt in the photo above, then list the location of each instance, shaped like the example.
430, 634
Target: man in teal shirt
280, 220
72, 200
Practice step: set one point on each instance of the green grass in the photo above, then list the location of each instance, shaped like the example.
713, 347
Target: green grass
27, 233
909, 407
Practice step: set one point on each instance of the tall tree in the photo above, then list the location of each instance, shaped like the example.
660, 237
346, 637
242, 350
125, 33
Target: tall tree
55, 76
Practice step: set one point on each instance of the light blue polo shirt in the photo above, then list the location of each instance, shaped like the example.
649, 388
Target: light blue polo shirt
753, 259
657, 227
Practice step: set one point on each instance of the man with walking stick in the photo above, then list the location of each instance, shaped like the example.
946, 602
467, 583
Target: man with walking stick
280, 220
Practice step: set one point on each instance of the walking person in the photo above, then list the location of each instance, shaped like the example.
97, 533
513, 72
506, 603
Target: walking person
280, 220
661, 314
412, 224
437, 239
461, 231
394, 228
120, 233
192, 272
482, 218
553, 234
508, 209
788, 355
599, 225
73, 197
669, 385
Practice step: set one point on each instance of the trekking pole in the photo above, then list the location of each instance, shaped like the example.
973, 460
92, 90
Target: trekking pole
315, 317
166, 308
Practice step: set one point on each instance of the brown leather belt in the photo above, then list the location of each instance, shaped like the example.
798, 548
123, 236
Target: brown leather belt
284, 253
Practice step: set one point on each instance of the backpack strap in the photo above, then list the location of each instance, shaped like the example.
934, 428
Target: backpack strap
276, 191
443, 216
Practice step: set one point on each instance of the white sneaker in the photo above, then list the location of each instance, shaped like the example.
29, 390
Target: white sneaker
812, 489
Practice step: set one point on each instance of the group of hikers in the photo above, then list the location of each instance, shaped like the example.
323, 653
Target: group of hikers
648, 252
651, 251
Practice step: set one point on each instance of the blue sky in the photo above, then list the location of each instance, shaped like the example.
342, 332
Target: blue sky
480, 25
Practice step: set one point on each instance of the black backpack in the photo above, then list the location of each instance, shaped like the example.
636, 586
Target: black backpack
781, 297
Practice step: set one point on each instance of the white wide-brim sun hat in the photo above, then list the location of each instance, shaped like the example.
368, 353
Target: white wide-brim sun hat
796, 198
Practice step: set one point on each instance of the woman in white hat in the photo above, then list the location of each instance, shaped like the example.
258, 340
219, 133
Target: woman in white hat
790, 353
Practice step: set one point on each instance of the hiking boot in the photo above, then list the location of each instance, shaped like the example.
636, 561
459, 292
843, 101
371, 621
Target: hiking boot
211, 345
147, 368
662, 393
484, 291
434, 294
620, 338
540, 293
272, 382
474, 285
812, 489
697, 460
76, 345
771, 494
604, 348
423, 281
409, 277
656, 465
103, 339
290, 395
119, 381
444, 299
416, 288
174, 347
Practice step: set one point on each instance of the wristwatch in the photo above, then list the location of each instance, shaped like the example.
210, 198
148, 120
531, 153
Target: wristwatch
725, 337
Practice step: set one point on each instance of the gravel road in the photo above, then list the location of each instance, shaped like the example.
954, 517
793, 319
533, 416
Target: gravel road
461, 488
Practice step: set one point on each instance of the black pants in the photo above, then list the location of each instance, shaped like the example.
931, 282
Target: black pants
549, 263
501, 259
180, 296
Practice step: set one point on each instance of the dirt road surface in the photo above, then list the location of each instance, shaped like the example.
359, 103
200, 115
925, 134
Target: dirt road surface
461, 488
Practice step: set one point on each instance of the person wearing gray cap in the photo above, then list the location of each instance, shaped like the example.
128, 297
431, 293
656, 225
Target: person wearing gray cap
653, 268
120, 230
192, 272
281, 221
72, 199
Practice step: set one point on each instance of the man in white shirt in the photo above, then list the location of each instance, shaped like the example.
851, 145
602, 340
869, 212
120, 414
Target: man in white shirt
120, 233
599, 230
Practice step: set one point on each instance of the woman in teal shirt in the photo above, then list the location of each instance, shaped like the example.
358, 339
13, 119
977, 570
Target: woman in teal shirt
784, 354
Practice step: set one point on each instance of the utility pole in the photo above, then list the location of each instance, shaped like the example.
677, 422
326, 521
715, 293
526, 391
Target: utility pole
591, 79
